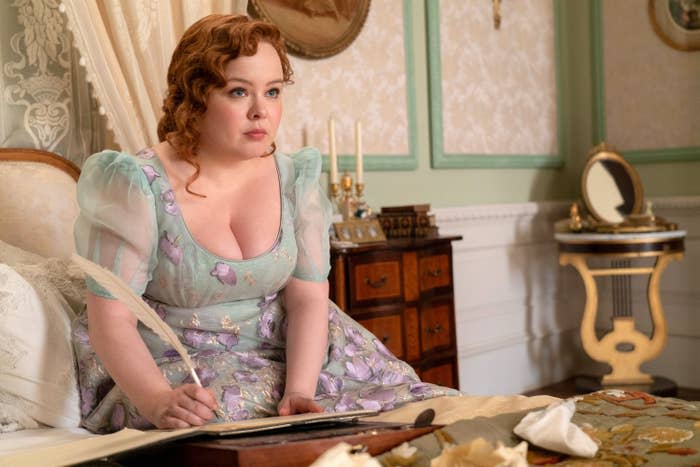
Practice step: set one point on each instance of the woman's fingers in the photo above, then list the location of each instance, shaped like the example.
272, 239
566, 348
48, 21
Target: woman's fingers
187, 416
310, 406
204, 396
172, 422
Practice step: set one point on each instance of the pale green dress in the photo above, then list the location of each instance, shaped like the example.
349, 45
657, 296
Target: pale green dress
229, 314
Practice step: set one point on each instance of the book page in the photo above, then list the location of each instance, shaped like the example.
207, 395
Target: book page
271, 423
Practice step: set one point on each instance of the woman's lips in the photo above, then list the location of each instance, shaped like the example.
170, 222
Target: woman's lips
256, 134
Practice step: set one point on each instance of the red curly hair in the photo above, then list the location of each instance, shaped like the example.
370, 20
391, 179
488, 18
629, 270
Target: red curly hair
197, 67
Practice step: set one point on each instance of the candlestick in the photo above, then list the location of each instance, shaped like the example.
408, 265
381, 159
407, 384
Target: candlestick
358, 153
332, 157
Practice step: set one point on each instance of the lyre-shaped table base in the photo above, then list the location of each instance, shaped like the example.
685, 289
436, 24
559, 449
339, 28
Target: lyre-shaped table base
624, 348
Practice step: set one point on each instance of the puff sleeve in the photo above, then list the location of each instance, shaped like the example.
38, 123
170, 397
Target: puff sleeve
117, 225
312, 217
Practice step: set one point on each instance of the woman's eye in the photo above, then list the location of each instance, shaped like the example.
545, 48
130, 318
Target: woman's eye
237, 92
274, 92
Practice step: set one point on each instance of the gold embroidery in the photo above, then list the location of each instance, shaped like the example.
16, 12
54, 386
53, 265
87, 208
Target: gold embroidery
194, 321
228, 325
249, 278
665, 435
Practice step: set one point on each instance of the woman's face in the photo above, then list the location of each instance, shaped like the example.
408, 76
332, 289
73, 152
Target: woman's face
242, 117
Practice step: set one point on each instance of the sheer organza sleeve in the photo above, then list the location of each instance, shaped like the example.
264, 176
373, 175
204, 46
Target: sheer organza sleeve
312, 218
116, 227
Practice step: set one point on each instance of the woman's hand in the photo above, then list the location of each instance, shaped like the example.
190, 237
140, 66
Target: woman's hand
294, 403
182, 407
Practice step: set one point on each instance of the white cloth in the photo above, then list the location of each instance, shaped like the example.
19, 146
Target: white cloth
551, 428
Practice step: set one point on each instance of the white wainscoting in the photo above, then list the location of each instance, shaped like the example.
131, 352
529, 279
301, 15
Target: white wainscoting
518, 311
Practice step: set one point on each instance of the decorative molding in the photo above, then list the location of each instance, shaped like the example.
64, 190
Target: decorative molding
642, 156
549, 209
501, 211
677, 202
509, 340
441, 159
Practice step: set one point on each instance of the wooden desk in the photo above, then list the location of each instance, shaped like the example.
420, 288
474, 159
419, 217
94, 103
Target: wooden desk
624, 348
402, 291
288, 449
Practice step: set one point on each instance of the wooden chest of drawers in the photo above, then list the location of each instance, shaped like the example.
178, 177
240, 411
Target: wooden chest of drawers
402, 292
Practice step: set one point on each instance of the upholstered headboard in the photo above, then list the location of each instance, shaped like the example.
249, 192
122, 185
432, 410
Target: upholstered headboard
38, 203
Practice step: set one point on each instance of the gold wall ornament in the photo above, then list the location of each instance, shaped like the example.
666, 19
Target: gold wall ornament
496, 14
314, 28
676, 22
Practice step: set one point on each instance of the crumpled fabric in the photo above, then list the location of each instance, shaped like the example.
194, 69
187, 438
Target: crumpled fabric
551, 428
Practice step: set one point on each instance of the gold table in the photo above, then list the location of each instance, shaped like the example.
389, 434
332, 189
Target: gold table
624, 348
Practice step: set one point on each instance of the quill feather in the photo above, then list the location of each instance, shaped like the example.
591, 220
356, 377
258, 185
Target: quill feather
144, 313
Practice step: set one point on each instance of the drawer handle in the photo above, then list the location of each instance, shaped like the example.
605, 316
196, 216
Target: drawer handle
436, 329
435, 272
377, 284
385, 339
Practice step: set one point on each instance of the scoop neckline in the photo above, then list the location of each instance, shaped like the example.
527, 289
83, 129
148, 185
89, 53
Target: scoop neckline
275, 243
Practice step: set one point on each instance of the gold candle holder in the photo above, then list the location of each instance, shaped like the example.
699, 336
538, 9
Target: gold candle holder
335, 190
346, 201
350, 206
359, 190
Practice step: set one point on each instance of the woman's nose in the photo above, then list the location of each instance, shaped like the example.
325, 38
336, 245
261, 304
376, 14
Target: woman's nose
257, 110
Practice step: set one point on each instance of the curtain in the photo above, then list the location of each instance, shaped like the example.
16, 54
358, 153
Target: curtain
45, 100
125, 46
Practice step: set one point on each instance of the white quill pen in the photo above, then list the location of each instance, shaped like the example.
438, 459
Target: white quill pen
121, 291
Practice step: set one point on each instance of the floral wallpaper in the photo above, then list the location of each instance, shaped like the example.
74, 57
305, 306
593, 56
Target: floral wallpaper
499, 93
652, 91
367, 81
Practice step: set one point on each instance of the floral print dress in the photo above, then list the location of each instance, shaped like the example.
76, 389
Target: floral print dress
229, 314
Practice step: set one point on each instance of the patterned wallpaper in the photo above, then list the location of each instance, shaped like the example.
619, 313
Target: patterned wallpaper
499, 92
652, 91
45, 100
366, 81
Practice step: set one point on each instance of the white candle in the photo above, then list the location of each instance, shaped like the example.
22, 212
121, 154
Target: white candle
358, 152
332, 157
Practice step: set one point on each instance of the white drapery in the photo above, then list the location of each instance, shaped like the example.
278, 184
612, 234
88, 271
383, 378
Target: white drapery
126, 46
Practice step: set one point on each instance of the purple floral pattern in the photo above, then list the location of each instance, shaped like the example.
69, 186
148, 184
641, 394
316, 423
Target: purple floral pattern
151, 173
224, 273
169, 204
168, 246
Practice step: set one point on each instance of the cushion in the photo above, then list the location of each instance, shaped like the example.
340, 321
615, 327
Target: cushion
38, 207
38, 301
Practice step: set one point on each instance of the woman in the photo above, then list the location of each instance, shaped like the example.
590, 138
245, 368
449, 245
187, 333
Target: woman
227, 240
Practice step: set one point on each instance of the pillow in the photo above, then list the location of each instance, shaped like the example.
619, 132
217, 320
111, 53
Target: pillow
38, 301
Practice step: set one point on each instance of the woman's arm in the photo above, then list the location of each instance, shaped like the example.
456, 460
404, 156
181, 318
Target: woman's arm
306, 305
116, 341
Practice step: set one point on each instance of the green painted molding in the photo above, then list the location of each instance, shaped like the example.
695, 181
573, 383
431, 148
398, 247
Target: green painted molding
599, 123
439, 158
641, 156
394, 161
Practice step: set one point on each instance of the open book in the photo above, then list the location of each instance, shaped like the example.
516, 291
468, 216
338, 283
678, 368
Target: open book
274, 423
100, 446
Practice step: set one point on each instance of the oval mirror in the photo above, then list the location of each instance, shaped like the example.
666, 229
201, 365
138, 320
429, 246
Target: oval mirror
610, 186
